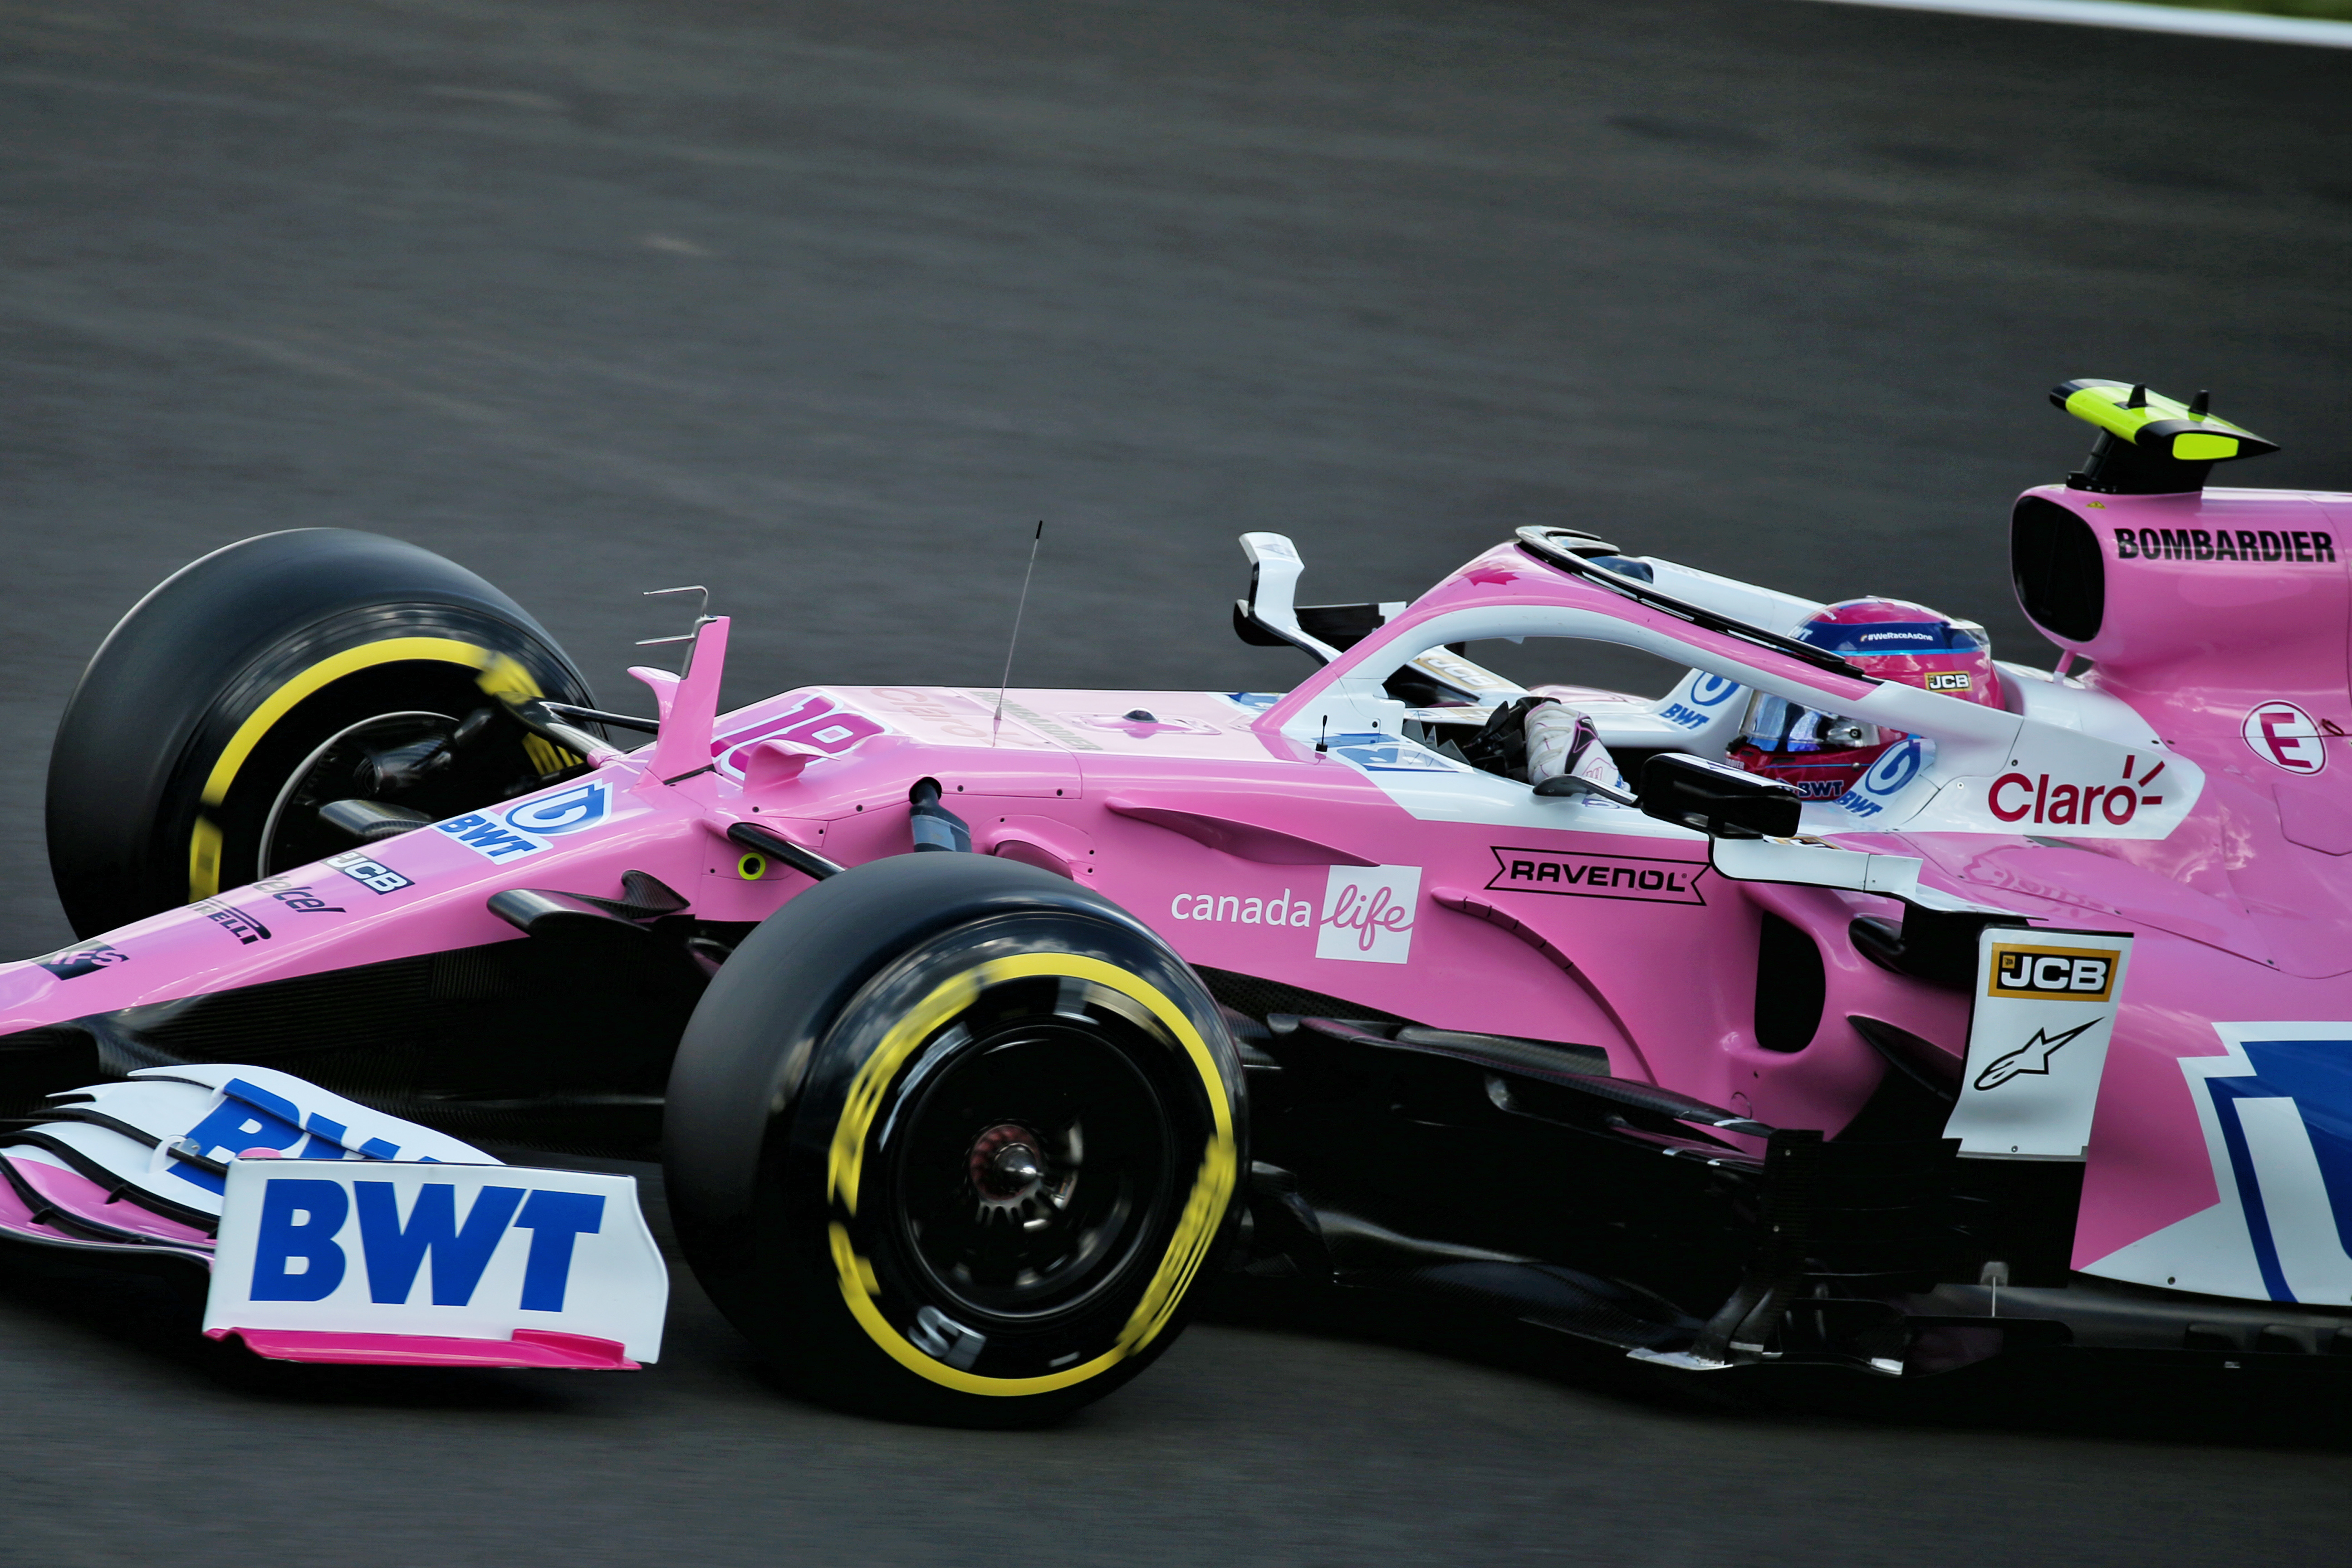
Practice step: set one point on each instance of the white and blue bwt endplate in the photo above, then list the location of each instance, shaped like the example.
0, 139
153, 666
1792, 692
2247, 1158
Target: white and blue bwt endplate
472, 1252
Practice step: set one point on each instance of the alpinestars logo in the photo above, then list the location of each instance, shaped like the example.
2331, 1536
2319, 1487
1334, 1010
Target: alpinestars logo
2033, 1056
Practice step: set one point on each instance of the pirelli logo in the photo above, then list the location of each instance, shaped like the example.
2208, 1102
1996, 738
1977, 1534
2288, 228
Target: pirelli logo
2051, 974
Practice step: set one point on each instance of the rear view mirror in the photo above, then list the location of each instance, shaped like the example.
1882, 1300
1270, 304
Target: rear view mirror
1719, 800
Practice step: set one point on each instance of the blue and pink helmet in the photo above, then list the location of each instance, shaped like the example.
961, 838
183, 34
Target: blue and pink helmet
1822, 753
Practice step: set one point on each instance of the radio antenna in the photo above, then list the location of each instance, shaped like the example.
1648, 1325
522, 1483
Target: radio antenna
1015, 641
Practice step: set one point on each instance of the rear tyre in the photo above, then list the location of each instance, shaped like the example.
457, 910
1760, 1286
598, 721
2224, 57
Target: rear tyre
270, 679
951, 1140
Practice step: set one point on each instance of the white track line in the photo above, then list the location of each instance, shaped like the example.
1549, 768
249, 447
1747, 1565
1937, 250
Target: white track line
2146, 18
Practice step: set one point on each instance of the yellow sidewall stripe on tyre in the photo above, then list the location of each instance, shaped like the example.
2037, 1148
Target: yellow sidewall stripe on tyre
1196, 1227
204, 845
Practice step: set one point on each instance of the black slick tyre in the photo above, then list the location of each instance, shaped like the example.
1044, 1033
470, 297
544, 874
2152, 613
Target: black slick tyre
267, 679
952, 1140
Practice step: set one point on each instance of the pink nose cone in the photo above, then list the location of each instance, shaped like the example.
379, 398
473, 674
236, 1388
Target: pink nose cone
263, 1154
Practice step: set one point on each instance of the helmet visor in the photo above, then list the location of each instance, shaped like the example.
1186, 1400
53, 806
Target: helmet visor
1777, 724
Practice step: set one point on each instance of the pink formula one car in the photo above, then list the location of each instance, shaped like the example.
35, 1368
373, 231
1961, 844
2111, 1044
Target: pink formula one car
1907, 1007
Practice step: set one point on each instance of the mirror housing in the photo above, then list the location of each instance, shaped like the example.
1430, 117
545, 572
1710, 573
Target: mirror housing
1717, 799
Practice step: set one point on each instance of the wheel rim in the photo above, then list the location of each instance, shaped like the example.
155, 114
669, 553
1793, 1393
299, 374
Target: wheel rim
388, 757
1033, 1168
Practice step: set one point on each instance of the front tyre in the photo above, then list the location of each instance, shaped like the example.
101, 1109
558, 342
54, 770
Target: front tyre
271, 677
952, 1140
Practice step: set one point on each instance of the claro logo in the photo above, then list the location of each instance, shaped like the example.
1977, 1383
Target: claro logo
2016, 797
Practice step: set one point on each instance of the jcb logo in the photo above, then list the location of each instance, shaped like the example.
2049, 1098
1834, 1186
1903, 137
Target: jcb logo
2051, 974
1950, 681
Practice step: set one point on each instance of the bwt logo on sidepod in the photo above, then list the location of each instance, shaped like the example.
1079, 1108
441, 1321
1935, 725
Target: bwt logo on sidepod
1708, 691
1712, 691
1887, 777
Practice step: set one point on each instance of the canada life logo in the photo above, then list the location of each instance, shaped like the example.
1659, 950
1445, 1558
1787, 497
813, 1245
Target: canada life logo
2284, 734
1368, 913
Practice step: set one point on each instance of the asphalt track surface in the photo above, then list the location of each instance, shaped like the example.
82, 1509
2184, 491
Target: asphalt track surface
824, 306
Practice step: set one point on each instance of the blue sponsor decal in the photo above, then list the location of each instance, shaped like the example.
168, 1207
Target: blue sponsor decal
1383, 754
251, 1117
569, 812
1712, 691
1688, 718
303, 1219
1895, 769
1892, 636
90, 957
369, 873
1888, 777
490, 839
2315, 1078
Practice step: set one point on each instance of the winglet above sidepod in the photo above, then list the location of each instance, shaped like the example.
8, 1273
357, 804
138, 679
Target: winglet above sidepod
2150, 444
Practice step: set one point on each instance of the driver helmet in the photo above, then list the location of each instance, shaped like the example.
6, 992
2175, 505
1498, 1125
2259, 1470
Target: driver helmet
1822, 753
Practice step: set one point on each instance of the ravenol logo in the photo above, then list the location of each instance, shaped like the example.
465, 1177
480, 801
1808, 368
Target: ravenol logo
299, 1254
2050, 974
569, 812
